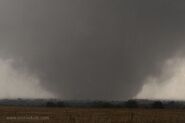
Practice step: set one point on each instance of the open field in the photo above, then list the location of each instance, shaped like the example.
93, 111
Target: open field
90, 115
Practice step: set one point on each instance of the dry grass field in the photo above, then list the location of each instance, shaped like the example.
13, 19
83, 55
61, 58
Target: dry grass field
90, 115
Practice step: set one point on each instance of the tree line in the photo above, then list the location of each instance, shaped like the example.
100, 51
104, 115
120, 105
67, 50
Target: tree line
104, 104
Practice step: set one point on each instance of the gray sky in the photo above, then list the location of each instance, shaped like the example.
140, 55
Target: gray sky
90, 49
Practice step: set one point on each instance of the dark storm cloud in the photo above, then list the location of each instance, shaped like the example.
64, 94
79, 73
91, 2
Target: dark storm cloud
95, 49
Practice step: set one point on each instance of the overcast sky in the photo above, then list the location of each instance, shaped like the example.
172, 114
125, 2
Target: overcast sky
92, 49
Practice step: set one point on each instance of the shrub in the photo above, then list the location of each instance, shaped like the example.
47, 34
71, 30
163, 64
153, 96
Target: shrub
50, 104
131, 104
60, 104
157, 104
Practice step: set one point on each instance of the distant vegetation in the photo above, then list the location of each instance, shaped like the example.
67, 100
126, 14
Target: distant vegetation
156, 104
55, 104
131, 104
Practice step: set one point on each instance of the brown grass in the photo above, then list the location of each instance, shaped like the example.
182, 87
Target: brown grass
90, 115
